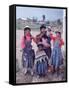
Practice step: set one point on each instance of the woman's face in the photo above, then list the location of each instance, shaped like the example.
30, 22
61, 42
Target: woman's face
43, 30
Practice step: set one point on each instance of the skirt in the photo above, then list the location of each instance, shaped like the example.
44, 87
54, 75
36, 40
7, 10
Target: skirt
41, 68
56, 58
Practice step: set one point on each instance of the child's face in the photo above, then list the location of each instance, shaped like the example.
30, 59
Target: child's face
39, 48
58, 35
27, 32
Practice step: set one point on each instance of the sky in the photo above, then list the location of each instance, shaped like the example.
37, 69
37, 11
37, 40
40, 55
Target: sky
29, 12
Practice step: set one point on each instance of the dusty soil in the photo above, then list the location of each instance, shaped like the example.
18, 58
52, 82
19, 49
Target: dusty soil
28, 78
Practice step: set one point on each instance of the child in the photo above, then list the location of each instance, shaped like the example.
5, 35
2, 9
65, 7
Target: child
28, 52
56, 53
41, 63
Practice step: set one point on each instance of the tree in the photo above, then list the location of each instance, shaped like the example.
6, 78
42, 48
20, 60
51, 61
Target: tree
34, 19
59, 22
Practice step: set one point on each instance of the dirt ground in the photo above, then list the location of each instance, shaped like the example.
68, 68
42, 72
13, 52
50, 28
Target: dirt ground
28, 78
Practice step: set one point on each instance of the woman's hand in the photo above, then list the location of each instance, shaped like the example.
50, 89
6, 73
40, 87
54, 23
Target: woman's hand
45, 44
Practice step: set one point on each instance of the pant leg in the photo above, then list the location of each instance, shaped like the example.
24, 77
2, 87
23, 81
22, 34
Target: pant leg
53, 57
24, 58
38, 68
48, 52
57, 58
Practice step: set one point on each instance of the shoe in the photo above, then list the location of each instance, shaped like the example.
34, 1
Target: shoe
25, 71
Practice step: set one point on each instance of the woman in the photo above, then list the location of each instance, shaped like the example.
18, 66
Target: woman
45, 39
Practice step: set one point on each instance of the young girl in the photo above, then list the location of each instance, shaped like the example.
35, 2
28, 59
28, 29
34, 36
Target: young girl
28, 52
41, 61
56, 53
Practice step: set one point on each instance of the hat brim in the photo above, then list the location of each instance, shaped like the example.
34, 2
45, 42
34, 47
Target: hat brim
39, 45
27, 28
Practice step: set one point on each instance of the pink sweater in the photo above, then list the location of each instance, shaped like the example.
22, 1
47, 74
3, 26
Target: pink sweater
28, 38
